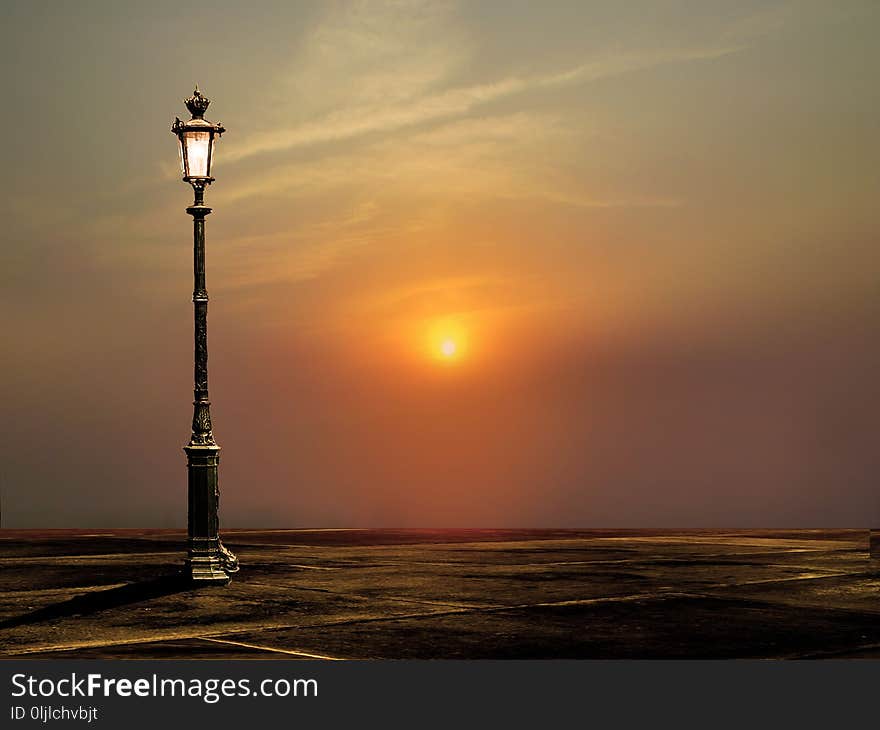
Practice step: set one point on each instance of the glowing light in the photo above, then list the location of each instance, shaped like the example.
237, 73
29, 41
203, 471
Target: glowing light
446, 340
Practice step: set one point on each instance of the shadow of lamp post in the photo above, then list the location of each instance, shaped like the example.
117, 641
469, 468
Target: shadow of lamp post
208, 561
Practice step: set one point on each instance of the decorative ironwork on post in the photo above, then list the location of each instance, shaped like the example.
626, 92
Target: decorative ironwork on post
208, 560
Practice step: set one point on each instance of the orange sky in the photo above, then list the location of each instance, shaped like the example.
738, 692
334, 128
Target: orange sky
649, 230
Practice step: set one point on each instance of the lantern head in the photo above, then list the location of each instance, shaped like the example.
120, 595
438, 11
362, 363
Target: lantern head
196, 140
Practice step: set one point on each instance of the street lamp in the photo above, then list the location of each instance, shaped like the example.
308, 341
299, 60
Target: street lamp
208, 561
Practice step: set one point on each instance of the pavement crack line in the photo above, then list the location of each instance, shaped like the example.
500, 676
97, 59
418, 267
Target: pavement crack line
224, 636
225, 633
292, 652
63, 559
662, 596
362, 597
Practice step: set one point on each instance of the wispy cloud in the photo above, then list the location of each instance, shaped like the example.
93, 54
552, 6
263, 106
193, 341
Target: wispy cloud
455, 102
382, 67
505, 157
401, 135
301, 254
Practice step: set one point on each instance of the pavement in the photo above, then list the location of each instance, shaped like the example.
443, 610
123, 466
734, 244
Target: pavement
443, 594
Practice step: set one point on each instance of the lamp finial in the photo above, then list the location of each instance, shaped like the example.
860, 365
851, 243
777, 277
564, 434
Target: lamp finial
197, 104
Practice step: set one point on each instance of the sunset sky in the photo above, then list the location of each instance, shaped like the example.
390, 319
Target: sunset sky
649, 231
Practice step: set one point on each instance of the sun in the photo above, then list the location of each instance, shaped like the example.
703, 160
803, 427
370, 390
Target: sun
446, 340
448, 348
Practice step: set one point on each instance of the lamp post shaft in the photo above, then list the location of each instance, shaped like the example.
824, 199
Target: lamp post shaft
207, 560
201, 425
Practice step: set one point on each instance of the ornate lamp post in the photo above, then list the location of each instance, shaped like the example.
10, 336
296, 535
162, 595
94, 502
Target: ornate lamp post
208, 561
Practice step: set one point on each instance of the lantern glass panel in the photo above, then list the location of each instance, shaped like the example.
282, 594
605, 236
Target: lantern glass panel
180, 155
198, 148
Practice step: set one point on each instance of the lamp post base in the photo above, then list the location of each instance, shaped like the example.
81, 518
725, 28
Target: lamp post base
208, 561
206, 570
